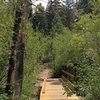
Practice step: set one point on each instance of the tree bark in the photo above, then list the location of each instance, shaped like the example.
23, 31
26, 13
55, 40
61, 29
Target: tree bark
16, 61
13, 49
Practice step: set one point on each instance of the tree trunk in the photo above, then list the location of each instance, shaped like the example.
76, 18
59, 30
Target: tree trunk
15, 71
13, 49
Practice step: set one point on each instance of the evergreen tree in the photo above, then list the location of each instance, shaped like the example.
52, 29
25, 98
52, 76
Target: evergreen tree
67, 13
69, 3
53, 8
84, 4
39, 19
57, 26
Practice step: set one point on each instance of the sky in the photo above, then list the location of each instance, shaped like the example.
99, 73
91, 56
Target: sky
44, 2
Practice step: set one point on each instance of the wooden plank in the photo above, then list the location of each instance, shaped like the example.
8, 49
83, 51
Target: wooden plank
52, 97
71, 85
44, 86
54, 91
67, 81
69, 74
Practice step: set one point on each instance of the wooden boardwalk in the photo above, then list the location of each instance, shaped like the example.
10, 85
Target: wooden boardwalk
52, 89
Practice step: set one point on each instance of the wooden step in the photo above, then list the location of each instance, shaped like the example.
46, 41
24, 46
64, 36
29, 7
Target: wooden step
59, 98
52, 89
53, 97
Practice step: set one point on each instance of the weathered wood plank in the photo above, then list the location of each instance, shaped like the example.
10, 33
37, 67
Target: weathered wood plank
54, 91
69, 74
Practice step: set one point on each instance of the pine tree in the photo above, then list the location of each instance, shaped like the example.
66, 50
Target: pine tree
67, 14
57, 26
53, 8
84, 4
39, 19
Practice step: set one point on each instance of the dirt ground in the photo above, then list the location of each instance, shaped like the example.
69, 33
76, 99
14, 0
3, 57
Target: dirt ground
45, 73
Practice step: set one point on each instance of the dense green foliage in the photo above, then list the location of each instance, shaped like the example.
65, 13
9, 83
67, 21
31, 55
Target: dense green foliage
81, 46
90, 29
5, 38
53, 37
34, 54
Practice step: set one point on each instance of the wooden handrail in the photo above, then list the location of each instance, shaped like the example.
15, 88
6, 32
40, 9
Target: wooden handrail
71, 86
65, 79
69, 74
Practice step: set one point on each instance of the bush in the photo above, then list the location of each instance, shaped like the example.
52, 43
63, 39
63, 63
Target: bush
34, 54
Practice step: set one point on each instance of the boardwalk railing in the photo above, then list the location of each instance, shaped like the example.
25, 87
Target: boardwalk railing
69, 76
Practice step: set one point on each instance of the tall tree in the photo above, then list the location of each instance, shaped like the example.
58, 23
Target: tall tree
15, 71
39, 19
53, 8
84, 4
69, 3
67, 13
57, 26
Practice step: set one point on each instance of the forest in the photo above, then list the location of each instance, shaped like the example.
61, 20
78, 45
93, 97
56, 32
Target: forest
33, 38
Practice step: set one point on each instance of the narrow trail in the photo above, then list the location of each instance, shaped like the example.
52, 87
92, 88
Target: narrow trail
45, 73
